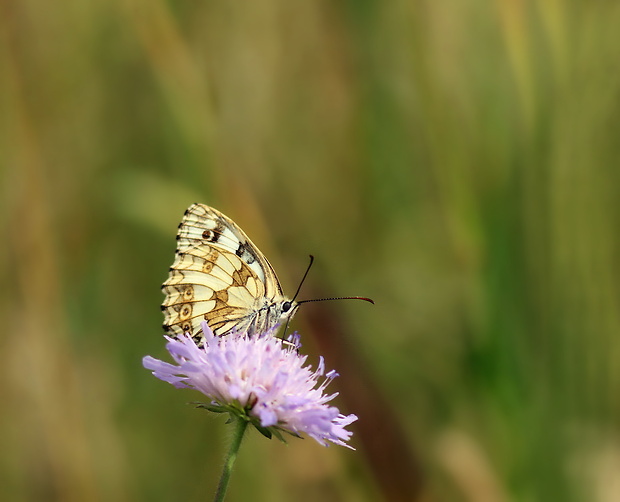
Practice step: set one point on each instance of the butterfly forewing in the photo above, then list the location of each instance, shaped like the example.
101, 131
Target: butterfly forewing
221, 277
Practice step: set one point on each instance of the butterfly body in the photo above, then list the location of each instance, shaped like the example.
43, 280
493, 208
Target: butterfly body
221, 277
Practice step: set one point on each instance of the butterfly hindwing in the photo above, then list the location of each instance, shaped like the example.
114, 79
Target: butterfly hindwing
220, 276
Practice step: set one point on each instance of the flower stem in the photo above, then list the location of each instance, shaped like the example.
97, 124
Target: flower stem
238, 431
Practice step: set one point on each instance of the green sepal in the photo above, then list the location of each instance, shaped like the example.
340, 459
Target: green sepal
215, 408
291, 433
278, 435
265, 431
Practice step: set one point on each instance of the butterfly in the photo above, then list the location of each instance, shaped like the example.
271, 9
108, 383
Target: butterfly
221, 277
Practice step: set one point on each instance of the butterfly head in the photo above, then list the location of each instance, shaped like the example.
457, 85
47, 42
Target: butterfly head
280, 312
283, 311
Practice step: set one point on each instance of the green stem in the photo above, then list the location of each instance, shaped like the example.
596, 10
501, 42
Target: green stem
240, 426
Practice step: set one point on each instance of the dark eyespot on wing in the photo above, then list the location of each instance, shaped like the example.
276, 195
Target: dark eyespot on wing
210, 236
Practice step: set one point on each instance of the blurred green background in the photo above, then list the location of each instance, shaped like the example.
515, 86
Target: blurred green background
456, 161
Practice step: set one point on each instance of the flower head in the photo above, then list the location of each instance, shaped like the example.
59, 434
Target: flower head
260, 378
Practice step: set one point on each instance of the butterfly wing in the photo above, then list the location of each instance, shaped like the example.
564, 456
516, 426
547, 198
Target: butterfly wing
218, 276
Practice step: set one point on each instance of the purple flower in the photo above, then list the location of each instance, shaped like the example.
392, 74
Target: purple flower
260, 378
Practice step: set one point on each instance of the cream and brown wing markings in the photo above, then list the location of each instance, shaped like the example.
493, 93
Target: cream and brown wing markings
221, 277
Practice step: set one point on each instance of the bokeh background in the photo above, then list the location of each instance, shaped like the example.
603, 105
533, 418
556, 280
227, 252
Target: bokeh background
456, 161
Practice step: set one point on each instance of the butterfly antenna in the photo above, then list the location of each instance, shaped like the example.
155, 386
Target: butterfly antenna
339, 298
298, 290
320, 299
304, 277
325, 299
